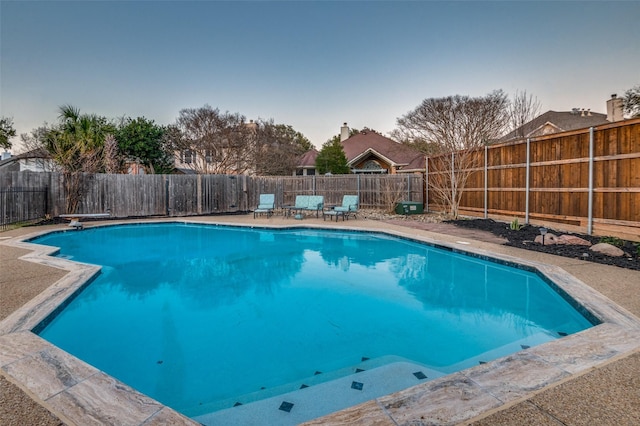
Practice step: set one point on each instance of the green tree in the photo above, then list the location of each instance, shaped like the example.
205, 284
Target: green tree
332, 159
6, 132
142, 140
631, 102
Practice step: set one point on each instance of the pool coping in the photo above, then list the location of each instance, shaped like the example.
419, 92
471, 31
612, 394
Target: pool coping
76, 391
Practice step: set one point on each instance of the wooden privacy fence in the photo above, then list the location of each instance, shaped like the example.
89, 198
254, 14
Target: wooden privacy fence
22, 205
187, 195
586, 180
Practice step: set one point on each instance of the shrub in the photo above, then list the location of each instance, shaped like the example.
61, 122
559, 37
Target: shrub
515, 225
614, 241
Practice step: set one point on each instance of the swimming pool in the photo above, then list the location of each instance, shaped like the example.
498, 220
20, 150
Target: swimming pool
403, 289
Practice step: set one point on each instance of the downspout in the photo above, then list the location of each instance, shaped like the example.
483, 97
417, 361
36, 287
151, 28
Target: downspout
454, 192
426, 179
590, 206
526, 193
486, 182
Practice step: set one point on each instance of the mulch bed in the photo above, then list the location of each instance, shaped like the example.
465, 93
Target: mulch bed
524, 239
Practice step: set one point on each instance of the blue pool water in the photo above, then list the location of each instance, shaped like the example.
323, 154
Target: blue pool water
203, 317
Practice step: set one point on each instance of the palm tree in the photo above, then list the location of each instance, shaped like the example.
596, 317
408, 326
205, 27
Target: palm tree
76, 146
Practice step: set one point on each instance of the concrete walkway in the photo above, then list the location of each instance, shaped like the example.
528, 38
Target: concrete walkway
606, 395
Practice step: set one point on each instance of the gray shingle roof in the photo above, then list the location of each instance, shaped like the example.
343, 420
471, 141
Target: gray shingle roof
563, 121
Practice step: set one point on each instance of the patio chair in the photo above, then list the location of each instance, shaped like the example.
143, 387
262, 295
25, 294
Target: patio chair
265, 205
348, 207
301, 203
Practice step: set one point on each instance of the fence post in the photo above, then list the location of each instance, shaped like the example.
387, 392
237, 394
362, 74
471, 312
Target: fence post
527, 189
408, 188
199, 193
166, 194
454, 192
426, 183
486, 182
590, 206
46, 200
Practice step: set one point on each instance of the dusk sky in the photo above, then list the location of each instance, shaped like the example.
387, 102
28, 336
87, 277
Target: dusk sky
309, 64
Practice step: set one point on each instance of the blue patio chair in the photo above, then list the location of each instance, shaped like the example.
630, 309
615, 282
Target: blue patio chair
265, 205
349, 206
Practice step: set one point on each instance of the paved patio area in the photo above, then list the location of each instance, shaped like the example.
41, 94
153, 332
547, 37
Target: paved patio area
607, 394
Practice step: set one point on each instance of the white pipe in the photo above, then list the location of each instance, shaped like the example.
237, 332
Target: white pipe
486, 182
527, 190
590, 207
454, 192
426, 178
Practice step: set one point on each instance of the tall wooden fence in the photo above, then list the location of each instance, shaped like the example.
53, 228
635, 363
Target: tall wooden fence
586, 180
186, 195
19, 205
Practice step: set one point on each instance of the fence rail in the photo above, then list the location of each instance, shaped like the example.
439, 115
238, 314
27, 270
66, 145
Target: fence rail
586, 180
186, 195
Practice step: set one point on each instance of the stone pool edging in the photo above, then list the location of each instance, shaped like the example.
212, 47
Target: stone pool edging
77, 392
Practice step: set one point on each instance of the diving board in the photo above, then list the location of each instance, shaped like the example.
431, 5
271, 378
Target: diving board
74, 219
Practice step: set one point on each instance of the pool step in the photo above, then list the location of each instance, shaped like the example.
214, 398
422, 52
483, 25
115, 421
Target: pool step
312, 380
508, 349
300, 405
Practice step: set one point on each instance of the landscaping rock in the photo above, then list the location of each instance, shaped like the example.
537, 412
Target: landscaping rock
608, 249
573, 240
549, 239
523, 239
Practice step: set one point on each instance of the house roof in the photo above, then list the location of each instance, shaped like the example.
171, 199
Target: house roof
370, 142
34, 153
562, 120
308, 159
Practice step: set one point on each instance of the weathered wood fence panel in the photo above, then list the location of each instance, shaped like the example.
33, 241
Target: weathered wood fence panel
587, 179
23, 199
187, 195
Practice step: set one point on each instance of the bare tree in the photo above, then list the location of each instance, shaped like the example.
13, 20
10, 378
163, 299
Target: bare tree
111, 154
212, 142
454, 128
523, 109
392, 191
631, 102
278, 147
35, 141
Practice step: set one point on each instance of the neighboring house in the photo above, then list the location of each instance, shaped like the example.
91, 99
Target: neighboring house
37, 160
190, 161
307, 163
134, 167
371, 153
184, 161
554, 122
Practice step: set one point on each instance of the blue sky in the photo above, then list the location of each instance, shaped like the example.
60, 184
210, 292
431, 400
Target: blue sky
310, 64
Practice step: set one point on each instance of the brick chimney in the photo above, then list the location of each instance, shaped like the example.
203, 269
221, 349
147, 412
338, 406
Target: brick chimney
614, 108
344, 132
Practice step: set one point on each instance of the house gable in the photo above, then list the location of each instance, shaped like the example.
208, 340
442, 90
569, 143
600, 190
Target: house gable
556, 121
370, 152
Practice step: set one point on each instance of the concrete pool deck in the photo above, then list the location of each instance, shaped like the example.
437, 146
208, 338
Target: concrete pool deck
576, 380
